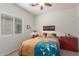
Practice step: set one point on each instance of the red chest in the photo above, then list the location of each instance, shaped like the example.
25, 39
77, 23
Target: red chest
69, 43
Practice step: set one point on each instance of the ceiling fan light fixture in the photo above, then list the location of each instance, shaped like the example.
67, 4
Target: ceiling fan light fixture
41, 7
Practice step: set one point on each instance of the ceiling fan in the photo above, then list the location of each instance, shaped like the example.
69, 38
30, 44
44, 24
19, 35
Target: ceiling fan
41, 5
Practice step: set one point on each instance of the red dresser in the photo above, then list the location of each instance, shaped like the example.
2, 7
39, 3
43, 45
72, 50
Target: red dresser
69, 43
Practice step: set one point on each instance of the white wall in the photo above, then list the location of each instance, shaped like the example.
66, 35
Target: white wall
12, 42
78, 20
64, 20
78, 23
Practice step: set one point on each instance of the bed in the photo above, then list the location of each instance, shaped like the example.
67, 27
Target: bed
40, 46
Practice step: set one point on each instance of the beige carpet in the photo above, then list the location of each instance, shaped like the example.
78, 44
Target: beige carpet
63, 53
69, 53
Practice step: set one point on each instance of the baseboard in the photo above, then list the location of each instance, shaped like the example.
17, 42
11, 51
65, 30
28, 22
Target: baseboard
11, 52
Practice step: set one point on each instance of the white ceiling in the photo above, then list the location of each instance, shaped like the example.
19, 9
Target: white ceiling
36, 9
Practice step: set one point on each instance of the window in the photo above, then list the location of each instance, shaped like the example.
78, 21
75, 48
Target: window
6, 24
10, 24
18, 25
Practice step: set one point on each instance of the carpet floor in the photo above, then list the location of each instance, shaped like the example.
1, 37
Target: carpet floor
63, 53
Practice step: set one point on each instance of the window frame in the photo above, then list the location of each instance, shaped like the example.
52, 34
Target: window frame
12, 26
21, 24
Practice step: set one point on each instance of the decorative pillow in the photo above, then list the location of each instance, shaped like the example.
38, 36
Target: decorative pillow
45, 34
49, 35
54, 34
35, 34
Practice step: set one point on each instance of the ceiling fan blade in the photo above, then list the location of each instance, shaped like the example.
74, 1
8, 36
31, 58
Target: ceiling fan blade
48, 4
34, 4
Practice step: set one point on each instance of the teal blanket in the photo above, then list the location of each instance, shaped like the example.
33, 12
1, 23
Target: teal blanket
49, 48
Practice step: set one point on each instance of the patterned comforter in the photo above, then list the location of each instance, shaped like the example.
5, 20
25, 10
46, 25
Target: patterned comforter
40, 47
